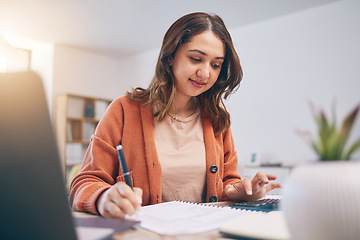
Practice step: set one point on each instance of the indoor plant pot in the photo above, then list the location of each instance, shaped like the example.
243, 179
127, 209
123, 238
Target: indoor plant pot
321, 200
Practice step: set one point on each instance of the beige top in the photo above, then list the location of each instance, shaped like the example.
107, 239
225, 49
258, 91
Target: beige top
181, 151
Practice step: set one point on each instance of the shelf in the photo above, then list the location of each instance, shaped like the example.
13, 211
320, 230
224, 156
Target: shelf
82, 119
76, 120
78, 141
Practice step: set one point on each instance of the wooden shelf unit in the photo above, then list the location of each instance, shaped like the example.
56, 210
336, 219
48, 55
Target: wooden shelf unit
76, 119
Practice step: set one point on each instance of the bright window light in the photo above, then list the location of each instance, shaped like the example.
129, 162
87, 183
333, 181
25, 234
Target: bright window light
13, 59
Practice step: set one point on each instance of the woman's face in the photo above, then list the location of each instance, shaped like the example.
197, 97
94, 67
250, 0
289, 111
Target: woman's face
197, 64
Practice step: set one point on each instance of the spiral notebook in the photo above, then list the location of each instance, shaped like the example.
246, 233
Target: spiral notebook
179, 217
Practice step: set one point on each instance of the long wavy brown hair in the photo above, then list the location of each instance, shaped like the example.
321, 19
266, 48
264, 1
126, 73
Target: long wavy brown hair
162, 88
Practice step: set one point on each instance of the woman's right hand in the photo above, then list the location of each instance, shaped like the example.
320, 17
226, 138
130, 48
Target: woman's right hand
119, 200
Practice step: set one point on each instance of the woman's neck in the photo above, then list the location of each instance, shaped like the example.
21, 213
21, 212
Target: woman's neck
182, 106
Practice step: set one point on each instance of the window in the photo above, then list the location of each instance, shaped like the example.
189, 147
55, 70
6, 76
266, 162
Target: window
13, 59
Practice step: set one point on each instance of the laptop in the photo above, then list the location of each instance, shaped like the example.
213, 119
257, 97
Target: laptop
33, 199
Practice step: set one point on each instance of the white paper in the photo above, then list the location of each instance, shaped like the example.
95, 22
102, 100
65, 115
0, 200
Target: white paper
176, 217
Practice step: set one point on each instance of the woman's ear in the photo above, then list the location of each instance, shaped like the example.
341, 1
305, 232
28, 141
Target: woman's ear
170, 61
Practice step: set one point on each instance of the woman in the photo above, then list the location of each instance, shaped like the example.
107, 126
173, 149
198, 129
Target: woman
175, 134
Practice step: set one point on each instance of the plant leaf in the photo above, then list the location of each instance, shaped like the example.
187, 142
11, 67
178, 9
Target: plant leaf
353, 148
323, 126
346, 127
331, 142
333, 110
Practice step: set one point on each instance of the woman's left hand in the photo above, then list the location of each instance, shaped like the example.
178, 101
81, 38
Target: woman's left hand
251, 190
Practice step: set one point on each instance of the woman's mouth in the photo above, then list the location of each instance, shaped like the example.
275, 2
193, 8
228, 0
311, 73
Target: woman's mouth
197, 84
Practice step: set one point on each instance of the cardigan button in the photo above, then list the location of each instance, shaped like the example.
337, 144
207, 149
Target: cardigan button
213, 198
213, 169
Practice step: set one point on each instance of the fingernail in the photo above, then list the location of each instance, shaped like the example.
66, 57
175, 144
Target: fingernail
249, 192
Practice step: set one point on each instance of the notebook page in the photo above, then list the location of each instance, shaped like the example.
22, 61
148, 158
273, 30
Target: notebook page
178, 217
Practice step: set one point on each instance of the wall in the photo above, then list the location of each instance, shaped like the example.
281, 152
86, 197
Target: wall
42, 55
83, 72
139, 69
310, 55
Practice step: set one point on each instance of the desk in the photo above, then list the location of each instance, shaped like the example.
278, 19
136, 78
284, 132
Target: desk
140, 233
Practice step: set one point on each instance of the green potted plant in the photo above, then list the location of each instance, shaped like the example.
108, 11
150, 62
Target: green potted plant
321, 199
332, 142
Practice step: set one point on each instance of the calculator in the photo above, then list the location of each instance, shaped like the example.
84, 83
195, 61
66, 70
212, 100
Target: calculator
263, 205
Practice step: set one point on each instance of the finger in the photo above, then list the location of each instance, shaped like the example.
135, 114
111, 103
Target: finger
127, 207
247, 185
272, 186
126, 192
113, 211
118, 195
238, 186
260, 178
138, 193
125, 198
271, 177
230, 190
235, 191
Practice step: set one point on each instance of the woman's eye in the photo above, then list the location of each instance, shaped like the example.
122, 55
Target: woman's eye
195, 59
216, 66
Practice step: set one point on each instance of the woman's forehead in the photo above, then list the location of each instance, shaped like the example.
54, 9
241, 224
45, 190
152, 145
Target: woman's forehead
208, 43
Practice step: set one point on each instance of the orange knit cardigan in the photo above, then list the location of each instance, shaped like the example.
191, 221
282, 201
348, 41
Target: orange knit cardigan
131, 124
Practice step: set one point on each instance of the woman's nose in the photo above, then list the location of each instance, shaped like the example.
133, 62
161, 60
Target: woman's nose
203, 72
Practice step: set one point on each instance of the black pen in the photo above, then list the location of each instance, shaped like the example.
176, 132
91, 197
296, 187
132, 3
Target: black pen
124, 166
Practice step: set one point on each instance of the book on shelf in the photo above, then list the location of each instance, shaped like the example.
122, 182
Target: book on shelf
77, 107
89, 129
68, 131
74, 153
100, 107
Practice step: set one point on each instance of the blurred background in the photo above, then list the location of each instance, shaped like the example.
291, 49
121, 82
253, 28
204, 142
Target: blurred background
292, 52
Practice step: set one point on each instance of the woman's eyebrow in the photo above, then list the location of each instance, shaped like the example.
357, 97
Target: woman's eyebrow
203, 53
